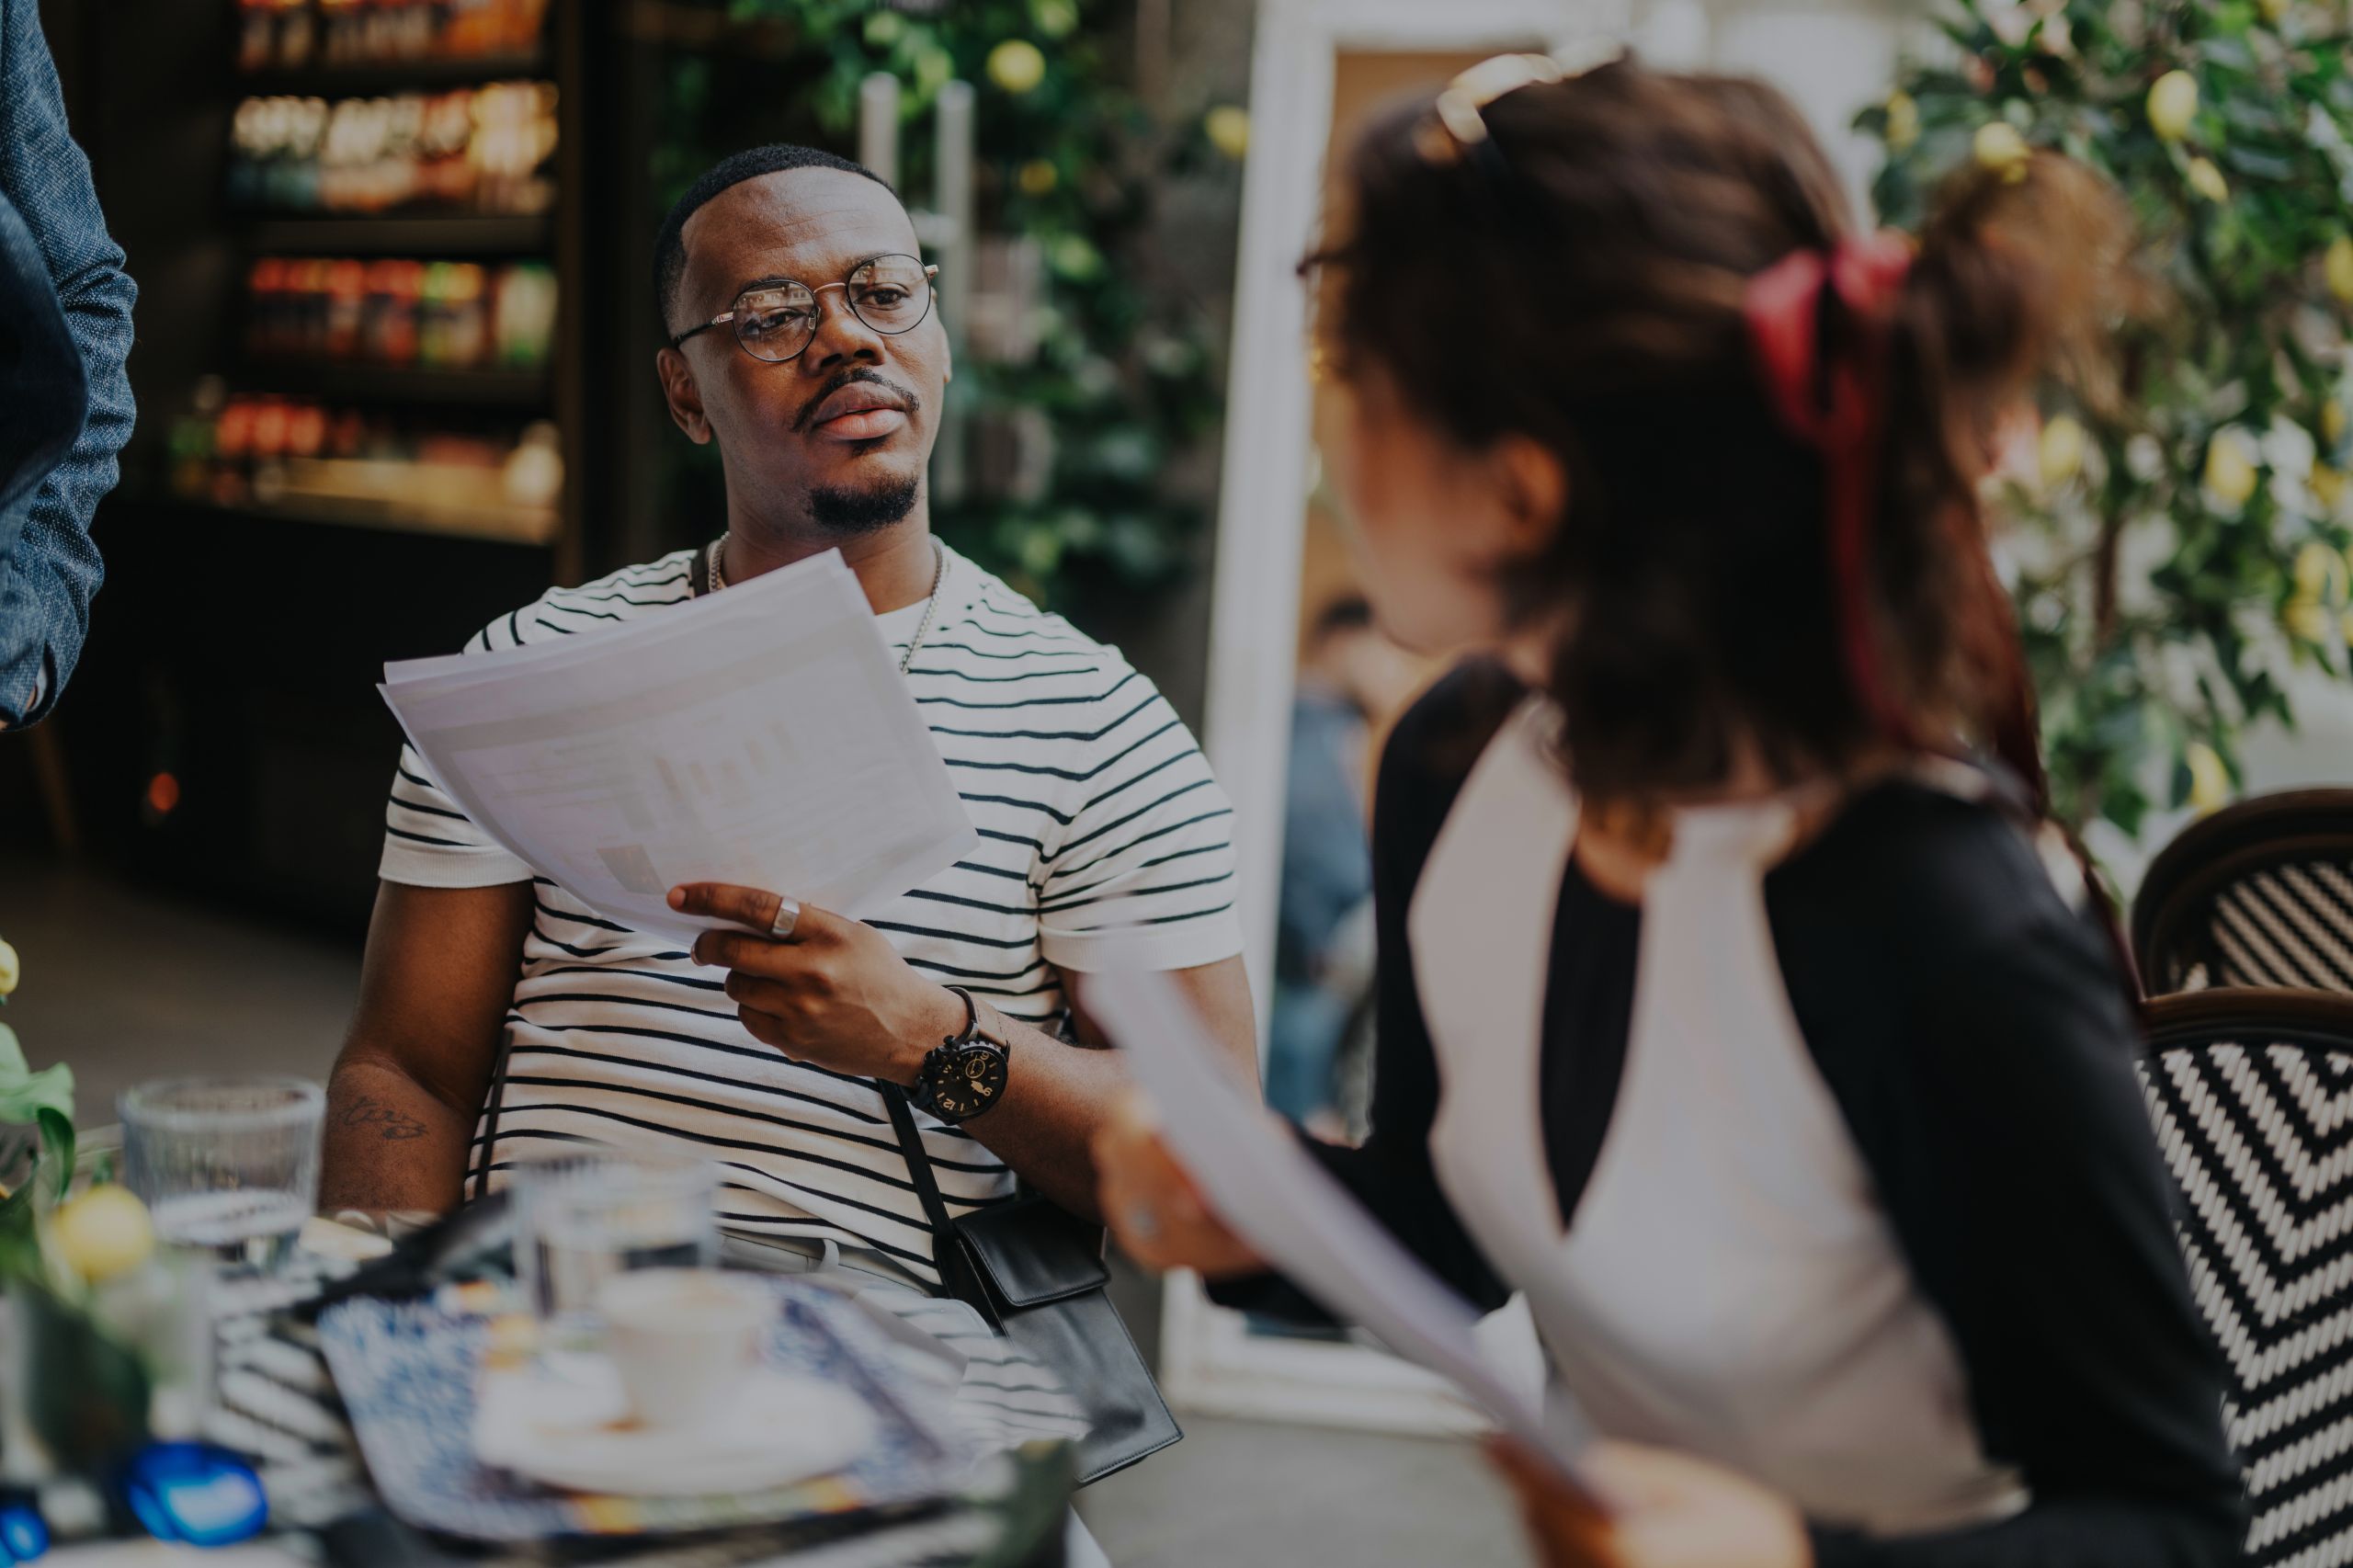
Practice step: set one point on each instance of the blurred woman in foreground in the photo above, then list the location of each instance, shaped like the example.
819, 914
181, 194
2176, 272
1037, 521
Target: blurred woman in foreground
1726, 1010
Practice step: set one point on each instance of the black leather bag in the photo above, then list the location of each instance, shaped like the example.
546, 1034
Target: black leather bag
1035, 1273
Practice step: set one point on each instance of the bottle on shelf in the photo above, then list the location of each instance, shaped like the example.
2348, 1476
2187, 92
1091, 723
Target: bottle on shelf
294, 35
524, 316
482, 149
401, 313
302, 458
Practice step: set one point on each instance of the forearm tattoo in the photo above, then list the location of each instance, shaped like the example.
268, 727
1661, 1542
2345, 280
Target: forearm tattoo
367, 1111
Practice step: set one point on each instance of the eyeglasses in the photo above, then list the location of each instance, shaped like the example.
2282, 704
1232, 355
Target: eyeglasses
776, 322
1457, 120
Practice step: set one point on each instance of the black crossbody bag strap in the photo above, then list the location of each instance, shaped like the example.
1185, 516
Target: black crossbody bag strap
1035, 1273
490, 1111
947, 1249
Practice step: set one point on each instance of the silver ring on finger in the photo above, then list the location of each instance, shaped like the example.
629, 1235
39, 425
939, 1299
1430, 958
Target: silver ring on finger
788, 915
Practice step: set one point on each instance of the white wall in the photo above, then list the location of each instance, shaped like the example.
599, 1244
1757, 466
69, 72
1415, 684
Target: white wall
1832, 58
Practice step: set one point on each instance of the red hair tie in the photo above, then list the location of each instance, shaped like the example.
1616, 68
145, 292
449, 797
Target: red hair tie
1840, 410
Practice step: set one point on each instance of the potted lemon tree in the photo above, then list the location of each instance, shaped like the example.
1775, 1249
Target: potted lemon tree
110, 1335
2180, 569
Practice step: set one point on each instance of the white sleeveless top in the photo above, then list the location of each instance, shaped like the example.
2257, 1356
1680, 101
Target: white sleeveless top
1730, 1286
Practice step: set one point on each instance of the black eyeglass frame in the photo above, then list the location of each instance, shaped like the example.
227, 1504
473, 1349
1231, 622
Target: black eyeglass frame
725, 317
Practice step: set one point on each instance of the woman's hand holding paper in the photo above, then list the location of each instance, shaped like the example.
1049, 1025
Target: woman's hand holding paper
1670, 1510
1151, 1205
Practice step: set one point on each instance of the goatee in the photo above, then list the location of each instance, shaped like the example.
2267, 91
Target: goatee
846, 511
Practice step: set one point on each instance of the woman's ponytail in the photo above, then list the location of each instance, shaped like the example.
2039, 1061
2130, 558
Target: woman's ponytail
2021, 271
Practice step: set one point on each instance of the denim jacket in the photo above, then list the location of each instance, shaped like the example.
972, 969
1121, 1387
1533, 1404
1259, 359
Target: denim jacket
64, 401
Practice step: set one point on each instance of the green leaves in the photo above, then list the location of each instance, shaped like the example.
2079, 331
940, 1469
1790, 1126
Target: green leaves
2142, 661
87, 1392
45, 1099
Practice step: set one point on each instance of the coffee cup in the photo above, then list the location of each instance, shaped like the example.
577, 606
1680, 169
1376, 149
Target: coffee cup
682, 1340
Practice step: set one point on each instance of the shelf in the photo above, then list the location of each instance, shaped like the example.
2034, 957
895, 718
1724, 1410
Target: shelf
398, 235
528, 391
392, 76
487, 525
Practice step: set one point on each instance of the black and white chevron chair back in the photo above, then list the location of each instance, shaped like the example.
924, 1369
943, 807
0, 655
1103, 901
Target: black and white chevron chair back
2252, 1095
2259, 894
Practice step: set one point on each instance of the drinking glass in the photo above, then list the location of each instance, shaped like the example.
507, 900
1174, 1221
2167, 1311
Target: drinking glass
582, 1218
229, 1166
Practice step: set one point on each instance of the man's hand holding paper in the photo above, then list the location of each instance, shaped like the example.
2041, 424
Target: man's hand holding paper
834, 992
1272, 1200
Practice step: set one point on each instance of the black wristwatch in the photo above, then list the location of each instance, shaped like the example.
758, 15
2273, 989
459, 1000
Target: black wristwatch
965, 1073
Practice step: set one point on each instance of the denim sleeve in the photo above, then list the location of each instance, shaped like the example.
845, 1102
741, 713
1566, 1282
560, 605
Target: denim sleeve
46, 582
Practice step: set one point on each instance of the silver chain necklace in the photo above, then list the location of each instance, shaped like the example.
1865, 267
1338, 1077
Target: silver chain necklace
931, 606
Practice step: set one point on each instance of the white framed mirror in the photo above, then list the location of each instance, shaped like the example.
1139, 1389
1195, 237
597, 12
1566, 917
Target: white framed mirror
1282, 574
1320, 67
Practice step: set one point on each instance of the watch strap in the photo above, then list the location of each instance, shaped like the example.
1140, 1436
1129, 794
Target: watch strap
943, 1057
971, 1016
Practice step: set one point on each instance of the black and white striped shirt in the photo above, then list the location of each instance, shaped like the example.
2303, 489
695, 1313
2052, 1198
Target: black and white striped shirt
1105, 843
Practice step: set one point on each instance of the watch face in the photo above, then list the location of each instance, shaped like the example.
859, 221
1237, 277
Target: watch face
970, 1082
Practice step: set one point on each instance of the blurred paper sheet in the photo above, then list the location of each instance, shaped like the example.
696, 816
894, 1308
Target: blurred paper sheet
762, 736
1290, 1210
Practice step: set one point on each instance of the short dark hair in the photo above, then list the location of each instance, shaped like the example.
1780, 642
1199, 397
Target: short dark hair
670, 244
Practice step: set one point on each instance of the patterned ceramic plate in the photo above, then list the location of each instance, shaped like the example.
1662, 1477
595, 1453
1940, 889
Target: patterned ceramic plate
408, 1372
563, 1420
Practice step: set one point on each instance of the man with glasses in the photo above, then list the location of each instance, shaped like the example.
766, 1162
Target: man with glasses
500, 1018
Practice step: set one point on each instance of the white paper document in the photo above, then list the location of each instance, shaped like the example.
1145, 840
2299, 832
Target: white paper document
762, 736
1274, 1196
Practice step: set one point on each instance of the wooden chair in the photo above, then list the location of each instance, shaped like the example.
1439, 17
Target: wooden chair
2259, 894
2252, 1095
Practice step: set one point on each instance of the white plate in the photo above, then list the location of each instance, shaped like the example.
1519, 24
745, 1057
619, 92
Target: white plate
564, 1421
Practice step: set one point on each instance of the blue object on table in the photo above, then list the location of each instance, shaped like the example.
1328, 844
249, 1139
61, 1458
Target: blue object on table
195, 1493
24, 1533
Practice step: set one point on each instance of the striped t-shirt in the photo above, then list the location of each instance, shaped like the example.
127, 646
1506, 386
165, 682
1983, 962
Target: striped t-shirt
1105, 843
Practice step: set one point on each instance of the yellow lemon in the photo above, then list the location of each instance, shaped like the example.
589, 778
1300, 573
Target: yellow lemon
2328, 487
2060, 449
1999, 146
1075, 256
2338, 265
2308, 620
1017, 66
2209, 782
104, 1233
1037, 178
1229, 129
1902, 121
2319, 573
2173, 104
2230, 472
11, 970
2208, 181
